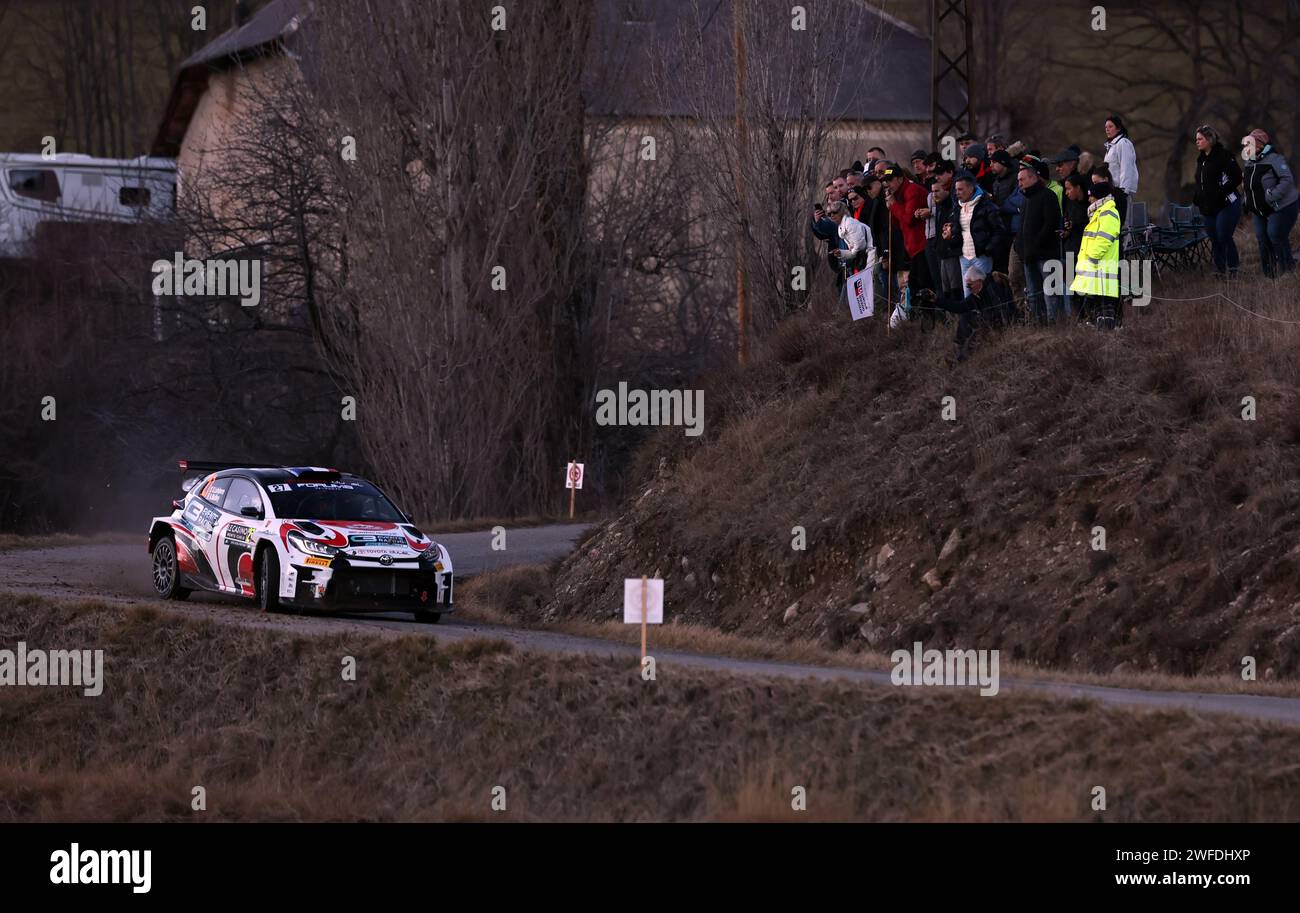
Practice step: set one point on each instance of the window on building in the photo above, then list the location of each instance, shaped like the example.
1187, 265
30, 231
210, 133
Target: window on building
35, 184
133, 196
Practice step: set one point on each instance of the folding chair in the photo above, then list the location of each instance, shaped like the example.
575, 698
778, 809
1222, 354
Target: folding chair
1183, 243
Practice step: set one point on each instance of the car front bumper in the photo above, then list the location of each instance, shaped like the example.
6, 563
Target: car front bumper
355, 586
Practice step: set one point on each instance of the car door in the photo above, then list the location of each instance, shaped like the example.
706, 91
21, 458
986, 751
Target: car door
202, 516
238, 534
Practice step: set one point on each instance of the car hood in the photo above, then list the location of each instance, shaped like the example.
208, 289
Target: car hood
364, 538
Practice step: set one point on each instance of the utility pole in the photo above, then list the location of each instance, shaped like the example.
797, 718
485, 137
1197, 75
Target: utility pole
742, 146
951, 63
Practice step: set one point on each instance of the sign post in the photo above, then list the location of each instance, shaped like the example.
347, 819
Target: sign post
643, 604
573, 481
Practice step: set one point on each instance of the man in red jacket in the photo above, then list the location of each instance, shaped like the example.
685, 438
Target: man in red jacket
907, 201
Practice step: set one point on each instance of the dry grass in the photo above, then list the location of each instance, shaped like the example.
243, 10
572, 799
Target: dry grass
838, 430
263, 721
509, 597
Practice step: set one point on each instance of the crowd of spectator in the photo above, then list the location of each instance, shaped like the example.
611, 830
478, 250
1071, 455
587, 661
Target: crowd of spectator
983, 236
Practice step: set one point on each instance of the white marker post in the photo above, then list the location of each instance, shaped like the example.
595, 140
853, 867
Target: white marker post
643, 603
573, 481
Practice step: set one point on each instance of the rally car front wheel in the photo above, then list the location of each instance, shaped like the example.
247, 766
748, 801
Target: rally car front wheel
268, 581
166, 570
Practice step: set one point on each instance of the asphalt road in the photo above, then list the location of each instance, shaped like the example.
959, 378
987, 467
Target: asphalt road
121, 569
120, 572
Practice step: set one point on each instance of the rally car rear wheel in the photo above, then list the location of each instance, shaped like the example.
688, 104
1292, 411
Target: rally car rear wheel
166, 570
268, 581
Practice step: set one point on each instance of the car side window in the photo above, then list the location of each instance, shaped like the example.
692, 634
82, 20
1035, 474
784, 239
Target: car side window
214, 490
243, 493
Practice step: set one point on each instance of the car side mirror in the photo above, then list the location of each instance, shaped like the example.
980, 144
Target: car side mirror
254, 512
178, 504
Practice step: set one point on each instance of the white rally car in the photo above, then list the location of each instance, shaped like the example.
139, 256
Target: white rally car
297, 538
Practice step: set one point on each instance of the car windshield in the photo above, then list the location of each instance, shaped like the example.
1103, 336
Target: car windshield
345, 499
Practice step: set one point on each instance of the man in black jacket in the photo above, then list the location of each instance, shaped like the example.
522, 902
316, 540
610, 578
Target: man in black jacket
941, 255
974, 224
1037, 242
1074, 219
988, 306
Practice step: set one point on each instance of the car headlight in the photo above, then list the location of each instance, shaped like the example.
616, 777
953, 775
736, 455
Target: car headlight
303, 544
437, 556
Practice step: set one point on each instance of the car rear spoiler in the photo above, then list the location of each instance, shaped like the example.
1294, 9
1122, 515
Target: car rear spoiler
203, 467
219, 465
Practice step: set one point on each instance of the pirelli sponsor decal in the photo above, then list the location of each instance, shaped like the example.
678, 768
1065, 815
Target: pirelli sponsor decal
313, 561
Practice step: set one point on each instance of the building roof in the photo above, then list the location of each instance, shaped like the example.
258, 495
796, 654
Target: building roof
264, 33
632, 40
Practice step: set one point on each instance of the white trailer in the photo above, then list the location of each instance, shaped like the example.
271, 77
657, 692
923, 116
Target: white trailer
79, 188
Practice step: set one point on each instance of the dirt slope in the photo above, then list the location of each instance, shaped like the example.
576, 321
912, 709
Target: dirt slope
840, 429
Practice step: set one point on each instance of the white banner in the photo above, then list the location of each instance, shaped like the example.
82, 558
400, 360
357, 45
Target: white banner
861, 293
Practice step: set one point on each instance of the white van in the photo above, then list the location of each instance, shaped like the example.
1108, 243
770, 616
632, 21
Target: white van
79, 188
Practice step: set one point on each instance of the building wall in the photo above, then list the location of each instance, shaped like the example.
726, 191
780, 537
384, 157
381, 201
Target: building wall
218, 121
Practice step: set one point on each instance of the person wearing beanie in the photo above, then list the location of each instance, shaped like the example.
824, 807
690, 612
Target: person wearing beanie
1218, 197
1102, 173
1004, 176
1121, 156
1271, 199
1017, 149
1096, 274
975, 159
1037, 242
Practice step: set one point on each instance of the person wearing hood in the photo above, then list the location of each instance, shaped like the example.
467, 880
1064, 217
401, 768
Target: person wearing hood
1096, 275
1218, 180
1037, 242
1121, 156
1272, 199
974, 225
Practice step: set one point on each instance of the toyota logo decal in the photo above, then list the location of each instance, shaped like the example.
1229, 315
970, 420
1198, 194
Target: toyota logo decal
386, 560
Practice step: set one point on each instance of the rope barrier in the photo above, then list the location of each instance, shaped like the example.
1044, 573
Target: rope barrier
1239, 307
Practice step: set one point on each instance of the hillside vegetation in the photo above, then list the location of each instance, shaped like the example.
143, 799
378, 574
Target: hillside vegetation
265, 723
978, 532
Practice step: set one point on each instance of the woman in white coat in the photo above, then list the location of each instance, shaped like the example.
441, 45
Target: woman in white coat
1121, 156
